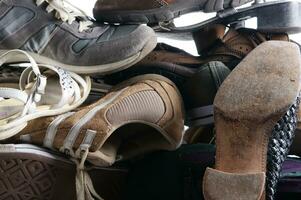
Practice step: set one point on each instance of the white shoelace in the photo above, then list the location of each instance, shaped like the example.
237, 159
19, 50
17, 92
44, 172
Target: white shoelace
84, 185
67, 13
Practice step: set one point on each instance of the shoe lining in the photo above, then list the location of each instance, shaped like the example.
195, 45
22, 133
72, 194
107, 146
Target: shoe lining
132, 140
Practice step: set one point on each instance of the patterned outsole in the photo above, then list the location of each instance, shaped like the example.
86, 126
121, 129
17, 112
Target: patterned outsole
24, 177
31, 174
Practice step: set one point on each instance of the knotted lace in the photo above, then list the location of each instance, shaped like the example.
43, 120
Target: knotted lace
67, 12
84, 185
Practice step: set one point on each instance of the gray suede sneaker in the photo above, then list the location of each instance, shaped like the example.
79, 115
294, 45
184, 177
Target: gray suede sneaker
55, 32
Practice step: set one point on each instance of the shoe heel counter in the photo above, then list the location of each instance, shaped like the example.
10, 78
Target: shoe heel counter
174, 124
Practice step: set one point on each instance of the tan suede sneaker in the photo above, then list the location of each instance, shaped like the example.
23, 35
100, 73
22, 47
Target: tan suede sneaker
140, 115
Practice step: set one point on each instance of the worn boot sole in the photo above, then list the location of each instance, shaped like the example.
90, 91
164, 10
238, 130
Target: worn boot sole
162, 14
255, 111
95, 69
29, 172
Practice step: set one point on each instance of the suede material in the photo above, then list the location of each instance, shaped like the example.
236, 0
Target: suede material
98, 123
174, 128
171, 123
100, 52
238, 138
112, 49
225, 186
168, 107
36, 129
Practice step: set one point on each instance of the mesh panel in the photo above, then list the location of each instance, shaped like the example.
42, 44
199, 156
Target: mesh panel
147, 106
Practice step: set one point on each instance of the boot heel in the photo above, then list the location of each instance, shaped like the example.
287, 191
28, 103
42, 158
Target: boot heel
270, 20
222, 185
279, 17
255, 118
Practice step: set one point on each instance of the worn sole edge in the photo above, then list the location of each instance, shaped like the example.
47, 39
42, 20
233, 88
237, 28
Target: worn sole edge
95, 69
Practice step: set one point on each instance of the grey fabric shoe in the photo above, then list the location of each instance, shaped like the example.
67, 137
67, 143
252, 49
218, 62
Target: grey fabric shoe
57, 33
154, 11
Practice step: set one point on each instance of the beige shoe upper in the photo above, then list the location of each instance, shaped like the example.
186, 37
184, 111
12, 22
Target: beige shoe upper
138, 116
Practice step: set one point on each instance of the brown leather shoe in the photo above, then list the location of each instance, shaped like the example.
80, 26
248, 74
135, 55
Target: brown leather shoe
153, 11
255, 113
230, 47
169, 54
214, 44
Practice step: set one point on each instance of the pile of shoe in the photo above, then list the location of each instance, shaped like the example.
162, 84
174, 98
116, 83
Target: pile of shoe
97, 110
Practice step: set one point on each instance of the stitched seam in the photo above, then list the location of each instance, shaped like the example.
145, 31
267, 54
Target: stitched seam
49, 40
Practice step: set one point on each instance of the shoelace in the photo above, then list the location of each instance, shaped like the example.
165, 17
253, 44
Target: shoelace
67, 13
84, 185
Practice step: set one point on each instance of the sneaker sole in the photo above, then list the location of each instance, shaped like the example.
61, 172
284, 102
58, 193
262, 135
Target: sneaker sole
29, 172
95, 69
254, 98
